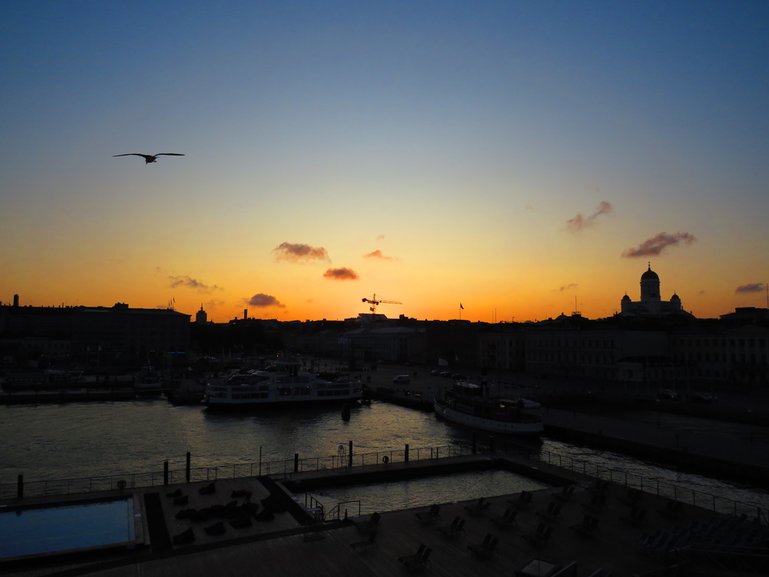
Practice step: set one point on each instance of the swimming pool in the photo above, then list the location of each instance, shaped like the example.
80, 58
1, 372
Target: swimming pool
65, 528
419, 492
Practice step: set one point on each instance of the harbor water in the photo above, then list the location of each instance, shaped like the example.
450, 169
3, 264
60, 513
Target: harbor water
64, 441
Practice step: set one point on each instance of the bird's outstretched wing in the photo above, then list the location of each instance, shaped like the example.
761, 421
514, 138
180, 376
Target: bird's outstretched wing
132, 154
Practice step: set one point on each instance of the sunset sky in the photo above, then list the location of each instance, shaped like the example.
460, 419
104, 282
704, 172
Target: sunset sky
519, 158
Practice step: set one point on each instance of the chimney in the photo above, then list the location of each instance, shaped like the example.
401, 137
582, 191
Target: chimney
245, 314
16, 300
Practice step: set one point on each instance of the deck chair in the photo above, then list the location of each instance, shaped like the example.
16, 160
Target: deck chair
587, 527
485, 548
365, 543
371, 525
566, 493
550, 514
479, 507
453, 529
540, 536
430, 516
635, 517
523, 501
418, 560
507, 519
596, 503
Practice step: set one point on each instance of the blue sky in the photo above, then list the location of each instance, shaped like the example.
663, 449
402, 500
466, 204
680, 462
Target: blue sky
457, 138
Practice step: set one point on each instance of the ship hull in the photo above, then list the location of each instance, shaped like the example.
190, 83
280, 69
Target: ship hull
501, 426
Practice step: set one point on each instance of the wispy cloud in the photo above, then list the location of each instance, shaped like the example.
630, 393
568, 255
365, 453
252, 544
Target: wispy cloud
262, 300
567, 287
377, 254
186, 281
380, 237
753, 287
581, 222
296, 252
341, 274
659, 242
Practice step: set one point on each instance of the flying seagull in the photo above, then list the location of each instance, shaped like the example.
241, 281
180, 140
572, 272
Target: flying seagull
149, 157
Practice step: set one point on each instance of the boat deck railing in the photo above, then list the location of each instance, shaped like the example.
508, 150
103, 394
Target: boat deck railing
286, 468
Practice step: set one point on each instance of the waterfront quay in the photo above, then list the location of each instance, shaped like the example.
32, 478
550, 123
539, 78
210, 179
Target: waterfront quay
577, 525
598, 418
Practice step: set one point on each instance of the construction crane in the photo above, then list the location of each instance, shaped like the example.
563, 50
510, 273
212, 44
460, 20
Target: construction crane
374, 302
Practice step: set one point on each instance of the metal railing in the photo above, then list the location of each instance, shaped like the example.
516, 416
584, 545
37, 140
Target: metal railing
660, 487
282, 469
287, 468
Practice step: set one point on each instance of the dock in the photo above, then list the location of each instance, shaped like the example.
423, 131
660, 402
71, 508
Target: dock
579, 525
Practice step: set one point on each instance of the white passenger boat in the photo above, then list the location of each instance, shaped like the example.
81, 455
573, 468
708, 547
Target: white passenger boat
467, 404
283, 383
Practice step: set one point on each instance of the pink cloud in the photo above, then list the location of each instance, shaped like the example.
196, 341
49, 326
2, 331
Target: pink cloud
296, 252
580, 222
659, 242
340, 274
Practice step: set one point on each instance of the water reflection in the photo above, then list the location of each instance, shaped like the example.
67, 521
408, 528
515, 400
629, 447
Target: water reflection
423, 492
95, 439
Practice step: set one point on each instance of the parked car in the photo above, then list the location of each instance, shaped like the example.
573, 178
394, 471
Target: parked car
667, 395
702, 397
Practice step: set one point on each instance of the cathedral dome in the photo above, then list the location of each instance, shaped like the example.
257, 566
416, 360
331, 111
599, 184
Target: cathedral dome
650, 275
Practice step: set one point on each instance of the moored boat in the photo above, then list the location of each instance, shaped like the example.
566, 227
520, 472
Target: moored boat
283, 383
467, 404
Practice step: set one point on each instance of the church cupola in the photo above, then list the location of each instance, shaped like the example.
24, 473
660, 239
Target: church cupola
650, 286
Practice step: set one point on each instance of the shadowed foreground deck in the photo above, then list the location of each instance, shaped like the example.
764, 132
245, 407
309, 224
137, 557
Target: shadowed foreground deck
595, 528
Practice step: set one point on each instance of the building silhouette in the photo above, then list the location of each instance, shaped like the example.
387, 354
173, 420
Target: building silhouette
651, 304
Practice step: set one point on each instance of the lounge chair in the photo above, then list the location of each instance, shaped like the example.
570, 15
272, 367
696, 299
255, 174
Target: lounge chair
372, 524
596, 503
523, 501
587, 527
479, 507
506, 520
365, 543
550, 514
430, 516
418, 560
635, 517
485, 548
540, 536
566, 493
453, 529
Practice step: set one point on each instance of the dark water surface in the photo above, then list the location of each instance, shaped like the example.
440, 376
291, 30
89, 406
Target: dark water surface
45, 442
